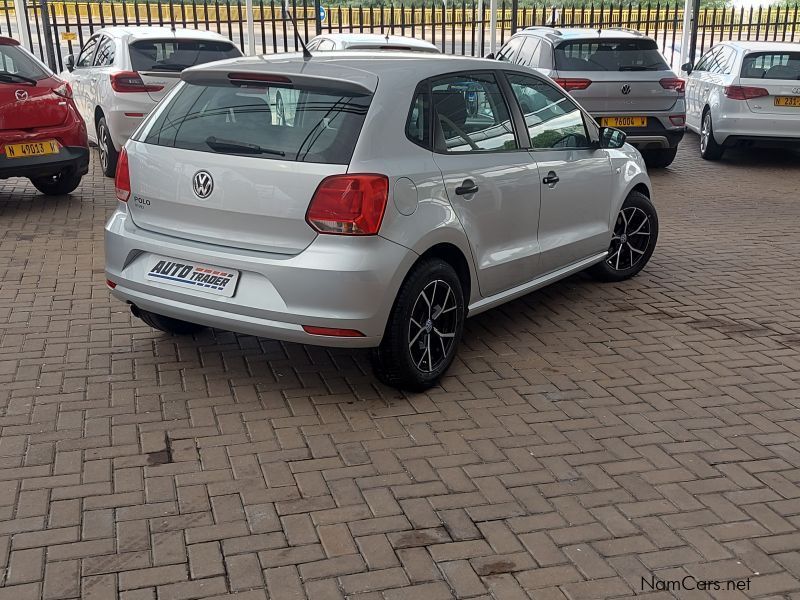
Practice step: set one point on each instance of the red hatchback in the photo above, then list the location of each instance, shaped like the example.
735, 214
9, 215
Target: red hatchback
42, 136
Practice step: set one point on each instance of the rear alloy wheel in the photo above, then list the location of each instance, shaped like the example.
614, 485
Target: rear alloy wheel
424, 328
59, 184
105, 147
709, 148
633, 241
660, 157
168, 324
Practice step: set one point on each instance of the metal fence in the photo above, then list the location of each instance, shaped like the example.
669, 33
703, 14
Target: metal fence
456, 27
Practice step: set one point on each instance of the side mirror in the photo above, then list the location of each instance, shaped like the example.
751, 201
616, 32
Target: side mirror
70, 63
688, 67
490, 56
611, 138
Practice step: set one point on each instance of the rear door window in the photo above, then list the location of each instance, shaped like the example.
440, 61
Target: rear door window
177, 55
265, 122
772, 65
628, 54
105, 52
470, 114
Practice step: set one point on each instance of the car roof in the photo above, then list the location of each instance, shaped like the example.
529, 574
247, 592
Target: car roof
560, 34
362, 68
376, 38
144, 32
763, 46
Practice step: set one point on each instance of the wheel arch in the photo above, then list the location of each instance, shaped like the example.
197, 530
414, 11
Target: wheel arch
98, 114
452, 255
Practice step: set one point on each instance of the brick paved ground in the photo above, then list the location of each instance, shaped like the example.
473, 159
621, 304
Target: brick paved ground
587, 436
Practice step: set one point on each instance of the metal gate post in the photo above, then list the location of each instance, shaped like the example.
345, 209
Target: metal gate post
48, 36
318, 17
514, 7
21, 13
695, 27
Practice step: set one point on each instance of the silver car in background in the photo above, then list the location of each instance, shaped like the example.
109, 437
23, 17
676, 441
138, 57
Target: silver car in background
406, 192
618, 75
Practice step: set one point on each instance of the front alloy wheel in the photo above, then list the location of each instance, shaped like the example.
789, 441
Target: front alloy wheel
424, 328
632, 242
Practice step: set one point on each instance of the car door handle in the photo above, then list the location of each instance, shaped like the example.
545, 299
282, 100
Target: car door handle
467, 188
551, 179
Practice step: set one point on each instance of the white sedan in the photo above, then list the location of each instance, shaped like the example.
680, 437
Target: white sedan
744, 93
369, 41
121, 73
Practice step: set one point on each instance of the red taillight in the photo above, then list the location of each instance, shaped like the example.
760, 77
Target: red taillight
349, 204
573, 84
744, 92
332, 331
64, 90
131, 81
111, 285
678, 120
673, 83
122, 179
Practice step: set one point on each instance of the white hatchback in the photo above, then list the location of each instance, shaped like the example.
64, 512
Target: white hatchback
121, 73
744, 93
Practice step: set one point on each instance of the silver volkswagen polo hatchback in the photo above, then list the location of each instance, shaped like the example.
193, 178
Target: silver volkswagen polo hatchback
394, 196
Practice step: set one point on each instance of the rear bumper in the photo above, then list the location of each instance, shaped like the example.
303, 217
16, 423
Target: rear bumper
732, 127
337, 282
75, 158
659, 133
123, 121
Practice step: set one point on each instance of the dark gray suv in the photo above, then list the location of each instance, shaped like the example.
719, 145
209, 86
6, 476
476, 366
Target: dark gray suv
618, 75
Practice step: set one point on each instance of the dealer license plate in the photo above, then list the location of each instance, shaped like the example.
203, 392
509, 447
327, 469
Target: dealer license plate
193, 276
623, 121
792, 101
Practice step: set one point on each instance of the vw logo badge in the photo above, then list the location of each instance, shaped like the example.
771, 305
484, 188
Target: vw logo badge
21, 95
626, 89
203, 184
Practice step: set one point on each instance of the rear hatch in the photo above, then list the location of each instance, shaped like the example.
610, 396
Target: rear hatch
27, 100
774, 79
227, 163
626, 75
160, 62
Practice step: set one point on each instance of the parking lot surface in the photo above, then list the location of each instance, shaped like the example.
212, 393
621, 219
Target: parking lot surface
591, 440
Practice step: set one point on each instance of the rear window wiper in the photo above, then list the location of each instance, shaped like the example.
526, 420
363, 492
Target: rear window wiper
7, 77
221, 145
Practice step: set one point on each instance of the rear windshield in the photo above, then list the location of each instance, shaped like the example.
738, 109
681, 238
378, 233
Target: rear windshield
772, 65
176, 55
610, 55
266, 122
17, 66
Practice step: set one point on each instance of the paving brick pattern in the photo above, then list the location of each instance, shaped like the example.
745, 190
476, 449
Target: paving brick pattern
588, 435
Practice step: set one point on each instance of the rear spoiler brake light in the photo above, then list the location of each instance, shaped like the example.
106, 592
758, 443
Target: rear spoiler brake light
213, 77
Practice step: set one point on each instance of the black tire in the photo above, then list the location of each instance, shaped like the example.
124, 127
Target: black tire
60, 184
659, 158
709, 148
407, 337
168, 324
105, 147
633, 241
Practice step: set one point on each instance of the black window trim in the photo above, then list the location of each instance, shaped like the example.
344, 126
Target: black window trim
592, 127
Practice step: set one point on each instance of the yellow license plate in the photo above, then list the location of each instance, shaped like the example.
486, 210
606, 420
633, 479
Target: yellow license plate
32, 149
623, 121
793, 101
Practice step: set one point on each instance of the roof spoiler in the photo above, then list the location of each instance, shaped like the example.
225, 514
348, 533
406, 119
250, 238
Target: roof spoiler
256, 79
